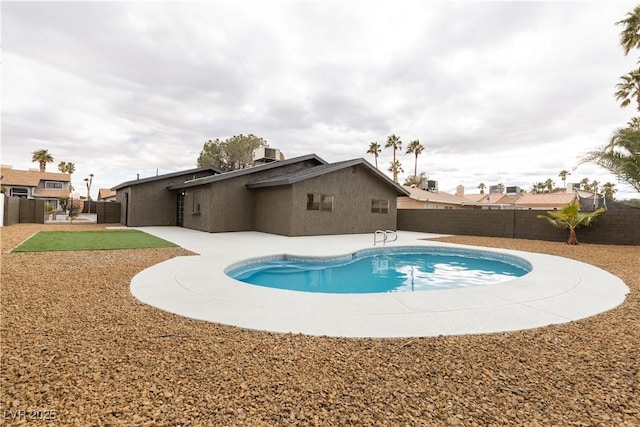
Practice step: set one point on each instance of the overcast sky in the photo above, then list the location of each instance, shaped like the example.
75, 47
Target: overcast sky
497, 92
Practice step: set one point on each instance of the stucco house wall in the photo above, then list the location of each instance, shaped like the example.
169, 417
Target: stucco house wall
230, 204
352, 204
282, 207
272, 210
147, 202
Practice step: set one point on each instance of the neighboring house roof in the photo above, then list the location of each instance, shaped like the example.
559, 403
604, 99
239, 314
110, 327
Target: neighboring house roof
545, 199
421, 195
247, 171
213, 169
490, 198
30, 178
105, 193
320, 170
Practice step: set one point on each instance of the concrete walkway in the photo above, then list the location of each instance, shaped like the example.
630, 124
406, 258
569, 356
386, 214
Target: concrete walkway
558, 290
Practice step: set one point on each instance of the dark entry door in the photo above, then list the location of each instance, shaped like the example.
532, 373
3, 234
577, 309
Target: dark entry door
180, 210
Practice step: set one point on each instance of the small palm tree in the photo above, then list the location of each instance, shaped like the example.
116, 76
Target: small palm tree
375, 149
43, 157
548, 185
482, 186
609, 191
570, 217
416, 148
394, 142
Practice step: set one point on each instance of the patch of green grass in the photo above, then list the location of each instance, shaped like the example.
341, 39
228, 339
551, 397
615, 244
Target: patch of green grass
45, 241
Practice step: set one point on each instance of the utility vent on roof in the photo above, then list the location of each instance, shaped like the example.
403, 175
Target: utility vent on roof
513, 190
430, 185
266, 155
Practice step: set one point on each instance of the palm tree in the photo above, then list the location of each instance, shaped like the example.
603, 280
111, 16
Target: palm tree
89, 181
65, 167
563, 176
584, 183
375, 149
570, 217
482, 186
416, 148
621, 156
395, 168
500, 187
548, 184
395, 143
630, 35
608, 190
43, 157
629, 88
538, 188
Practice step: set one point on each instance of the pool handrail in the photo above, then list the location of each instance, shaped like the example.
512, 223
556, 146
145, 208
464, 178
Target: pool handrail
385, 236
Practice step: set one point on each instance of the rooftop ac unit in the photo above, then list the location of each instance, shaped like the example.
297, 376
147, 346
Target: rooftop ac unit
494, 189
513, 189
430, 185
266, 154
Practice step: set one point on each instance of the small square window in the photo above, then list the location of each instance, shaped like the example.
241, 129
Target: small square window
379, 206
319, 202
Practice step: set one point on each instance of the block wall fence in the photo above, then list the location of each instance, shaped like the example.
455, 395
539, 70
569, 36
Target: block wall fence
614, 227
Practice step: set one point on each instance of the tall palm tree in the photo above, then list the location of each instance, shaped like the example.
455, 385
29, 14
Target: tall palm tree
416, 148
395, 143
482, 186
570, 217
395, 168
375, 149
89, 181
43, 157
621, 156
630, 34
563, 176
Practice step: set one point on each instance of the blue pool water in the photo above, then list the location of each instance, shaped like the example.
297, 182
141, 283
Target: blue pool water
398, 269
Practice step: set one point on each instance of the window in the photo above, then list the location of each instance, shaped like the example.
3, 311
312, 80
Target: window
379, 206
197, 200
53, 185
319, 202
19, 192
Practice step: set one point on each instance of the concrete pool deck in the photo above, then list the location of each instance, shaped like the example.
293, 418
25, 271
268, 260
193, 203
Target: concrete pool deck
557, 290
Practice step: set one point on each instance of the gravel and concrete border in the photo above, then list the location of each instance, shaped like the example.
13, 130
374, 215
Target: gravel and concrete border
78, 349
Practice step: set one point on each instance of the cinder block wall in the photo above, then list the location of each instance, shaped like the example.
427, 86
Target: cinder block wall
613, 227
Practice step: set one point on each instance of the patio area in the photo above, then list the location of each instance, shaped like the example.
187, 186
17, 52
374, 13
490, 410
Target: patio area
558, 290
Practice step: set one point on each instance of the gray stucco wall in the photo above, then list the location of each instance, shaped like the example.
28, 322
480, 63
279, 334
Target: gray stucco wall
353, 189
151, 203
284, 211
273, 213
230, 203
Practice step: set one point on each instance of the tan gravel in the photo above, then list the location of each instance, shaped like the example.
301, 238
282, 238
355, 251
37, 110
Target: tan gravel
77, 346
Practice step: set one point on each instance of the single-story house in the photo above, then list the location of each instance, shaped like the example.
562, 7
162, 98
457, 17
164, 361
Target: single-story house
294, 197
33, 184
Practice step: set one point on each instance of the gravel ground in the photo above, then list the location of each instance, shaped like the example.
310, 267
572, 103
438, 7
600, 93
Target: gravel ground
78, 347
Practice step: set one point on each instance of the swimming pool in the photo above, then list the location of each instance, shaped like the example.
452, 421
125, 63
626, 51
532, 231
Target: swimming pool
557, 290
397, 269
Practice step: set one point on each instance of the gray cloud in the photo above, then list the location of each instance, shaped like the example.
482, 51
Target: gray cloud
505, 91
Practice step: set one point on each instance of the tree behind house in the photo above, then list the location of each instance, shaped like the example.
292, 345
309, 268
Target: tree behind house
231, 154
